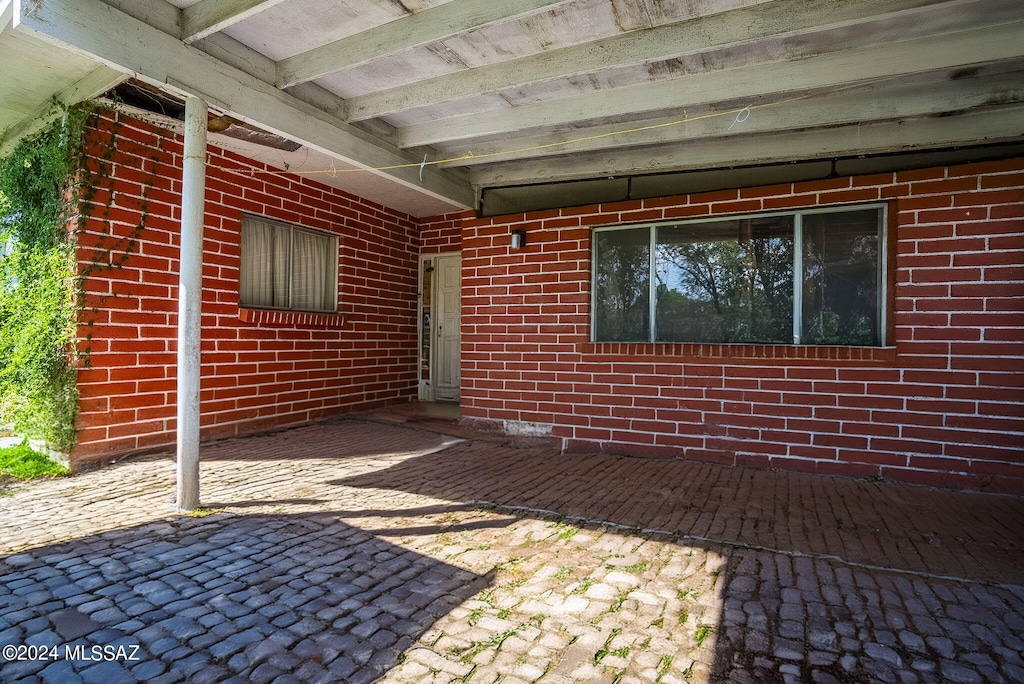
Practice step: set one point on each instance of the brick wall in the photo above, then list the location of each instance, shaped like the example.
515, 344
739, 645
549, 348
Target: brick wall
261, 369
945, 406
442, 233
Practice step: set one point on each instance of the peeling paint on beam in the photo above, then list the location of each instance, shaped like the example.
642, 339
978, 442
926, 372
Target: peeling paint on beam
1003, 124
843, 68
415, 30
862, 106
744, 26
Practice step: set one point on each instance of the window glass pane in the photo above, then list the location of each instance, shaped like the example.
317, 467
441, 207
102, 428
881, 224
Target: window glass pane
264, 265
313, 282
841, 277
725, 281
622, 285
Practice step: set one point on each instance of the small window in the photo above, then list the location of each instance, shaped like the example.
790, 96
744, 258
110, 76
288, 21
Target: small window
287, 267
814, 277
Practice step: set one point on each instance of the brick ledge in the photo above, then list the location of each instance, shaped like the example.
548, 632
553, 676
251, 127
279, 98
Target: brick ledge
742, 353
297, 319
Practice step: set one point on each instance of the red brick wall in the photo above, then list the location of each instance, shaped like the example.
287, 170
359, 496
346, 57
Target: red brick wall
442, 233
260, 369
944, 407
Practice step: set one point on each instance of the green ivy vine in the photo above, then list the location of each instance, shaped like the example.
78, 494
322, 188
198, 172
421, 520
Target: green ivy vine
38, 283
52, 190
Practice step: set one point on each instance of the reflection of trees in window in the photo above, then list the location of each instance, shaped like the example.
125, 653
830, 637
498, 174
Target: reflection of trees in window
622, 285
840, 278
726, 281
734, 280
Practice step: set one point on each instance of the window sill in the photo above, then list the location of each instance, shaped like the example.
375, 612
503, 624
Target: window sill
744, 353
290, 319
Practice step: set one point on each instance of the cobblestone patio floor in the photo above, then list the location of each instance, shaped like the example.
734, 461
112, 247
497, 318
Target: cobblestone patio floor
354, 551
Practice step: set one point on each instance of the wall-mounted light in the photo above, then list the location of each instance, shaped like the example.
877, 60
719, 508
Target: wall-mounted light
518, 239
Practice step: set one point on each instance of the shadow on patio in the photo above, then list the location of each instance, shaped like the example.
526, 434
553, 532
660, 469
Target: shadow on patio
861, 522
349, 549
250, 597
824, 579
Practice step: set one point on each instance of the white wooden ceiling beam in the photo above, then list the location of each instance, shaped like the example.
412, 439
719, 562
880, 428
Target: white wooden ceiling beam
100, 32
780, 18
996, 125
95, 83
865, 105
210, 16
877, 62
6, 14
421, 28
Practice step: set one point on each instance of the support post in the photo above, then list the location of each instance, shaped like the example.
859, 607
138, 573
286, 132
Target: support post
190, 300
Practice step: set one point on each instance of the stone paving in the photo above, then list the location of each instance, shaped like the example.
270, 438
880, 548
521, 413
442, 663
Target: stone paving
353, 551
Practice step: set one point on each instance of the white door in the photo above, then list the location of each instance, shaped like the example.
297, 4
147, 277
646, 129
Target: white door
447, 317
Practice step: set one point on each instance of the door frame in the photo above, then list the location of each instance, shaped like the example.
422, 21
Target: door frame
426, 390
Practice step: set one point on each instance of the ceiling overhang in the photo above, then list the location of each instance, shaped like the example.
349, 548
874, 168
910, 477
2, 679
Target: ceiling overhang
422, 104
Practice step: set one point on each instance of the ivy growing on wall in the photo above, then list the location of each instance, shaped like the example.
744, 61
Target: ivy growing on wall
39, 283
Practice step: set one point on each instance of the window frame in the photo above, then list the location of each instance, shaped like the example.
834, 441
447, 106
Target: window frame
292, 228
883, 273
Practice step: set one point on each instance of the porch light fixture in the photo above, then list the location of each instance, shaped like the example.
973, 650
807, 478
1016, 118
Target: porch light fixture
518, 239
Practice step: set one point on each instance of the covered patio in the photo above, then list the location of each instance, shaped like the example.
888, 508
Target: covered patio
509, 147
363, 550
499, 150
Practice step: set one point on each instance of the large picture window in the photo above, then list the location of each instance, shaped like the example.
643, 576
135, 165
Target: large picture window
811, 277
287, 267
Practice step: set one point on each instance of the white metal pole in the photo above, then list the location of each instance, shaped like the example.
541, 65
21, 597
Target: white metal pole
190, 300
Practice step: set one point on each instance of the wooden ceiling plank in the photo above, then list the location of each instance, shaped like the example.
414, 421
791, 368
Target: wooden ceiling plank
832, 70
864, 105
728, 29
95, 83
210, 16
421, 28
107, 35
996, 125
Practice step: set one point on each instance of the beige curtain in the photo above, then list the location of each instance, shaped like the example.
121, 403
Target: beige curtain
314, 285
263, 281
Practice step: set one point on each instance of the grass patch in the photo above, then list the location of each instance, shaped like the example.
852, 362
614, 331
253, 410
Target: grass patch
582, 587
568, 532
23, 463
605, 650
638, 567
663, 666
467, 654
703, 632
563, 573
513, 584
201, 512
619, 600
